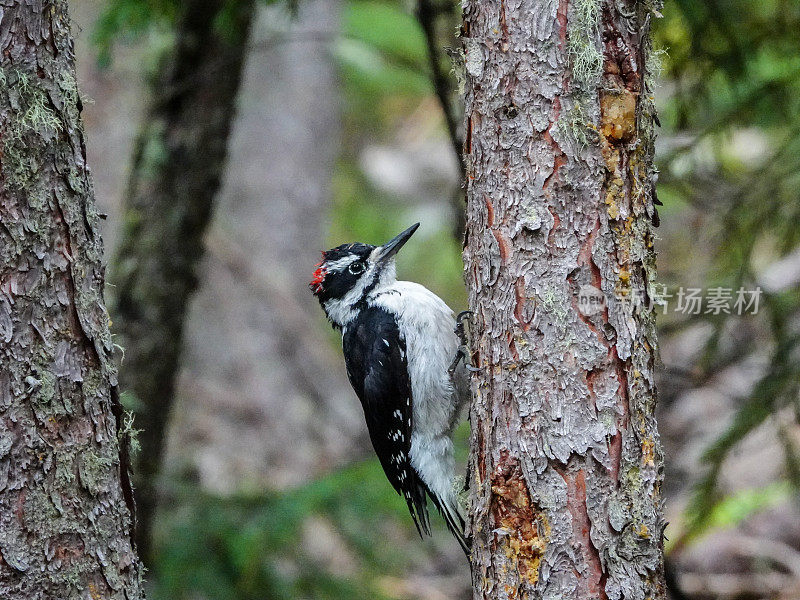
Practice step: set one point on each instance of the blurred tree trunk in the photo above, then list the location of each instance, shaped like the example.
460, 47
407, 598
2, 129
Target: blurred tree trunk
65, 494
566, 461
178, 163
264, 399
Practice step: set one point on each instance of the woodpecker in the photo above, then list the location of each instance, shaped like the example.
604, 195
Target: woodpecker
401, 354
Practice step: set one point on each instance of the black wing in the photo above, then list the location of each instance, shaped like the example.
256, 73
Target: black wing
375, 356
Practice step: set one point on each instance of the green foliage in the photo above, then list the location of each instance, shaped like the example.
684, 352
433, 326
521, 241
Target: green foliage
732, 510
734, 78
719, 55
250, 547
129, 19
771, 393
382, 52
387, 28
365, 66
383, 62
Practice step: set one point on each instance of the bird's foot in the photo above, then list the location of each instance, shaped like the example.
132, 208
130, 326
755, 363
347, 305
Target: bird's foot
459, 329
463, 352
460, 355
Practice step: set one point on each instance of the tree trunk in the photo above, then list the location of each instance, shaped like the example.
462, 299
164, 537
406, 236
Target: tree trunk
178, 164
264, 400
566, 462
65, 495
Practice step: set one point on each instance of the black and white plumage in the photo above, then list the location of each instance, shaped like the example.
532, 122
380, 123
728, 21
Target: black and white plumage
398, 343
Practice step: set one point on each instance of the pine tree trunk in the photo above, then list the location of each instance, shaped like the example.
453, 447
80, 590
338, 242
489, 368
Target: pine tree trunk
65, 495
566, 462
178, 165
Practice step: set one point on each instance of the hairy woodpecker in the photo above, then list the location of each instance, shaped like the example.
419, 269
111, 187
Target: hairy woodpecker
399, 344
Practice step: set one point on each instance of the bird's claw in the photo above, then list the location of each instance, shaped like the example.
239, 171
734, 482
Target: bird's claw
459, 328
460, 354
464, 314
463, 351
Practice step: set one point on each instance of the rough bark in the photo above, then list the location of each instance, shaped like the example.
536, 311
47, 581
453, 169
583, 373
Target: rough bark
566, 462
65, 495
263, 399
178, 164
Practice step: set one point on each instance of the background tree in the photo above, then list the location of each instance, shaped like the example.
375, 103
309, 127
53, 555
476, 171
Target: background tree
727, 155
252, 342
178, 163
566, 463
65, 495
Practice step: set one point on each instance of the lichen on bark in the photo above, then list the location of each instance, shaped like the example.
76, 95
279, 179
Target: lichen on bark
65, 498
560, 187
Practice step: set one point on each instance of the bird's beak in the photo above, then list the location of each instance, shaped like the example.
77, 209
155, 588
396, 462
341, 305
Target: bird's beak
390, 248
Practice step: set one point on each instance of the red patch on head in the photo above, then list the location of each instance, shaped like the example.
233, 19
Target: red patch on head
318, 277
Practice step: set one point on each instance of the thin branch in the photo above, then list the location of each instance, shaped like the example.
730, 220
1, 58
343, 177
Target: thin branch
426, 14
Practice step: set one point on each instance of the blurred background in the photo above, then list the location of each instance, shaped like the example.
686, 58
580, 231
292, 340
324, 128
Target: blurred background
341, 125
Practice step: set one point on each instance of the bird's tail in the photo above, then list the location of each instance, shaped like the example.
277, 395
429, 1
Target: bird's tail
417, 506
448, 507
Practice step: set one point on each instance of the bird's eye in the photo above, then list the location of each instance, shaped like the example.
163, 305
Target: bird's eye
356, 268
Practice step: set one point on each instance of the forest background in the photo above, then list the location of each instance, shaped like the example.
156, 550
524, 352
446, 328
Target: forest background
268, 488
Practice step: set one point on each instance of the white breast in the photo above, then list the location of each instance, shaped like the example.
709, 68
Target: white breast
427, 323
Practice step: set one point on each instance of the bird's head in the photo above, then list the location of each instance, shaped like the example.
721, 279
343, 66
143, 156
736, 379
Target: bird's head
347, 274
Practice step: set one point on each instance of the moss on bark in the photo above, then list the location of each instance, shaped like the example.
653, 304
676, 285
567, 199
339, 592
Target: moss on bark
59, 537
